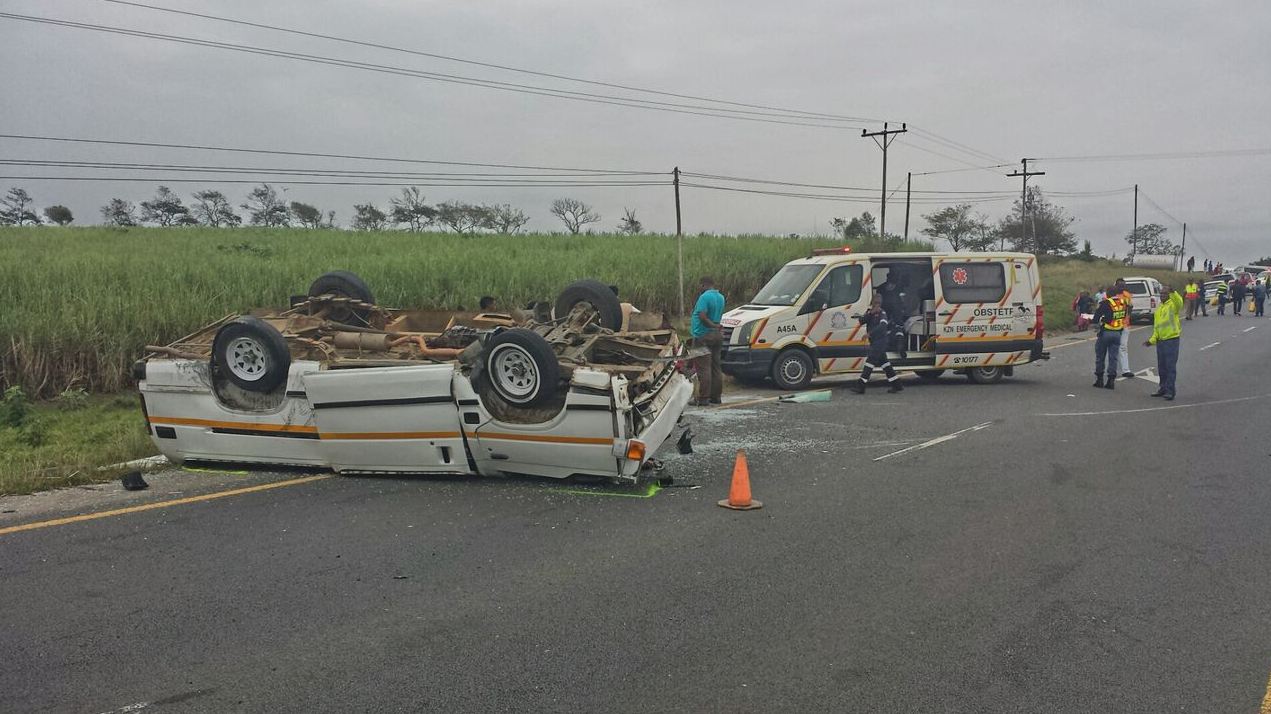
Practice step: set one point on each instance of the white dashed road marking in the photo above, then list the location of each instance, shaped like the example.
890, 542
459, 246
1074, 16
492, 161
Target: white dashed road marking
1251, 329
1156, 409
1211, 344
937, 440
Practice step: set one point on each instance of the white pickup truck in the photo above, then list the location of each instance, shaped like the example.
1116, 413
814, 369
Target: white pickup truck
339, 382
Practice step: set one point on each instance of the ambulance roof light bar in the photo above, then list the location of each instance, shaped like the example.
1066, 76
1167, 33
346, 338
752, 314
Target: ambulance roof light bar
832, 251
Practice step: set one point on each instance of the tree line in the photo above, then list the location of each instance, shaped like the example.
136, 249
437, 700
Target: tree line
264, 206
1045, 229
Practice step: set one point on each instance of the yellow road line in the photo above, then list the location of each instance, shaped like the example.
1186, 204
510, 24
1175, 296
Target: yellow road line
159, 504
1266, 700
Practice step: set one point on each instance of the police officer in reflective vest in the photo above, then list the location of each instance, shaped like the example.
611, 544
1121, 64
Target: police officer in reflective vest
1110, 316
879, 330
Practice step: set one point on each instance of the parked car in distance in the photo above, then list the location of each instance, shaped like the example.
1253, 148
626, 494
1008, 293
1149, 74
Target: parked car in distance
1146, 296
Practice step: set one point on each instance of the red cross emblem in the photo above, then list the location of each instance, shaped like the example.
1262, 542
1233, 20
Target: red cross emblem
960, 276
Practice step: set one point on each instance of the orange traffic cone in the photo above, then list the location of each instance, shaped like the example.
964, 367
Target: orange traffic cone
739, 493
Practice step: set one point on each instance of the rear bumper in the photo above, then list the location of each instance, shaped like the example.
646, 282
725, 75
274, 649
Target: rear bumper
746, 362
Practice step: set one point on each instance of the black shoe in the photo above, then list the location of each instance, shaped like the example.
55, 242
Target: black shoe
717, 401
1127, 375
859, 387
1098, 380
1169, 397
1110, 384
895, 388
1157, 394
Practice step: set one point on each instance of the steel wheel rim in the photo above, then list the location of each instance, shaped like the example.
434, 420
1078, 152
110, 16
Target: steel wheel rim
986, 372
247, 359
514, 372
793, 371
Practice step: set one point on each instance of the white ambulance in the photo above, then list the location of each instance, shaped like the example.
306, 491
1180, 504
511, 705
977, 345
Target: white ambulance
979, 314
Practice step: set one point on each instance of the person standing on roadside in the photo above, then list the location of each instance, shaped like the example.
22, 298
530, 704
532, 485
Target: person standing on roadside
1191, 294
1259, 297
1204, 299
1127, 299
879, 329
1166, 333
1221, 290
1111, 317
1238, 295
704, 328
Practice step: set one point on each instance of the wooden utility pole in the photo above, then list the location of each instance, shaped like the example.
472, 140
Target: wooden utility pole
909, 181
1023, 205
1134, 235
888, 136
679, 237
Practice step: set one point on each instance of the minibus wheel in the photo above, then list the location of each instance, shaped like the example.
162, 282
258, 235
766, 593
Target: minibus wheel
251, 353
792, 370
985, 375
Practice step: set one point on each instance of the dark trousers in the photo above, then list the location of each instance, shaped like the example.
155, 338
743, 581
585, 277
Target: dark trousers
1222, 305
1258, 305
1107, 348
1167, 364
1204, 306
1236, 304
710, 372
877, 359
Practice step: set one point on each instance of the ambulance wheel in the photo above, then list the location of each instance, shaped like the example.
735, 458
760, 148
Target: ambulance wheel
792, 370
251, 353
930, 375
985, 375
597, 295
521, 367
342, 283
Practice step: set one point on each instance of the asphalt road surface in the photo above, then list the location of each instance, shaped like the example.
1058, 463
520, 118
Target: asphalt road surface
1080, 551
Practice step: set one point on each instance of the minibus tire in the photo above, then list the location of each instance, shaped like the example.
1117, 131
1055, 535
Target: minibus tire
985, 375
595, 293
792, 370
342, 283
252, 354
521, 367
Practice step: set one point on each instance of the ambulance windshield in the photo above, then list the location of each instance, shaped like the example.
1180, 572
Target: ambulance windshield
788, 285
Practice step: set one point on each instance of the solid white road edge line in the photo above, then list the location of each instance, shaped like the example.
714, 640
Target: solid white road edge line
937, 440
1158, 409
1211, 344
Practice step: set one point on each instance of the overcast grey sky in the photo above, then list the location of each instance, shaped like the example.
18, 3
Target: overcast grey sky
1011, 79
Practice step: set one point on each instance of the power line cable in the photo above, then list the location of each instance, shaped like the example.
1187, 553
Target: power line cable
633, 103
318, 155
873, 191
356, 173
491, 65
833, 197
1165, 156
306, 182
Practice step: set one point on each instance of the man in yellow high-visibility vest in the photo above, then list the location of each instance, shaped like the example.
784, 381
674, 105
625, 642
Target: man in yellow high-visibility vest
1167, 331
1191, 295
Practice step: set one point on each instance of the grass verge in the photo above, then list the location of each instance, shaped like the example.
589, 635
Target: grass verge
66, 441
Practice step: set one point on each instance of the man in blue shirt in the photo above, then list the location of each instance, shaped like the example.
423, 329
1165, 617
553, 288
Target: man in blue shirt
707, 313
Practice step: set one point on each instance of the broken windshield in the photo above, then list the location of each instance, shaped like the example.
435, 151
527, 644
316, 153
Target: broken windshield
788, 285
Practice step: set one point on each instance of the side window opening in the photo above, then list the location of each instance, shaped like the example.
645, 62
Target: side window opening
841, 286
973, 282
